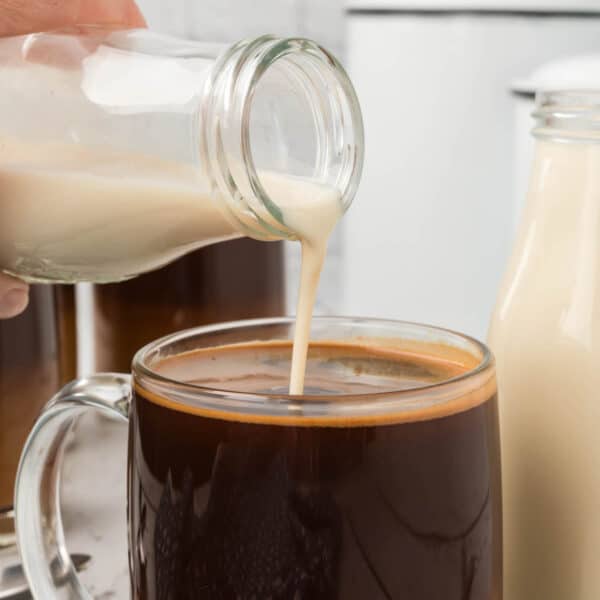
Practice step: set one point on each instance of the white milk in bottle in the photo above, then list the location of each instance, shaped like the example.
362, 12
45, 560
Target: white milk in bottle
546, 337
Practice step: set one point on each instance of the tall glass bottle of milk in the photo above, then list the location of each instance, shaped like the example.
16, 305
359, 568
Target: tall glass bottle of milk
123, 150
546, 337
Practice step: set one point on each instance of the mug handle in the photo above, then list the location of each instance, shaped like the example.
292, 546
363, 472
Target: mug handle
46, 562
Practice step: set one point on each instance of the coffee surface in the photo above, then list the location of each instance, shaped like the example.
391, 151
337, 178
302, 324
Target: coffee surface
223, 506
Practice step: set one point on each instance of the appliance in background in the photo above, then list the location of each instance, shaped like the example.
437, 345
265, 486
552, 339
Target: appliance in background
429, 234
580, 72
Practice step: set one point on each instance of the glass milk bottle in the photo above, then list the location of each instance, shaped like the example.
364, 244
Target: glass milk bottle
123, 150
546, 336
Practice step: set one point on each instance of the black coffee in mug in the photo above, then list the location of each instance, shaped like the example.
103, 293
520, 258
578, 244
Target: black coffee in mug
405, 506
381, 482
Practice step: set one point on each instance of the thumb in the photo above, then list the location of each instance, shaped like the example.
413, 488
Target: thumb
27, 16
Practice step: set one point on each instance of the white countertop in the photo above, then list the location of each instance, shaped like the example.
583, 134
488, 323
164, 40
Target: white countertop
94, 504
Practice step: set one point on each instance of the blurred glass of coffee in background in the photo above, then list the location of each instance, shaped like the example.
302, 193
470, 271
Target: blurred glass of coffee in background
228, 281
37, 357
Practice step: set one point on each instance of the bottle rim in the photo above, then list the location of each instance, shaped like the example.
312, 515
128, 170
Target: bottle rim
226, 132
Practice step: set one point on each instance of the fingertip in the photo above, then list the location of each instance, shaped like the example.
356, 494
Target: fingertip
135, 17
13, 302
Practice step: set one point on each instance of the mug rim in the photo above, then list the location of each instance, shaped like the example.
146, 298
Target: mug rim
309, 406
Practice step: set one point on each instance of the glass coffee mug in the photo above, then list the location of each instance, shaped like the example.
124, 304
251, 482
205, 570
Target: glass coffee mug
383, 481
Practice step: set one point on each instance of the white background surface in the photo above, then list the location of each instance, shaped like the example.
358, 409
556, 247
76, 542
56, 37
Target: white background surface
230, 20
515, 5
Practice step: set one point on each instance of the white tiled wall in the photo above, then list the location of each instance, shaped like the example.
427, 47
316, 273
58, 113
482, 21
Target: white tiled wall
232, 20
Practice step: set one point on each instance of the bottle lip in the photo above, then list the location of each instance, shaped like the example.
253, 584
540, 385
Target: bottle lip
568, 115
226, 139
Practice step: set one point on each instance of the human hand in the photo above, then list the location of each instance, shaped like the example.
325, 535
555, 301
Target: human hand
26, 16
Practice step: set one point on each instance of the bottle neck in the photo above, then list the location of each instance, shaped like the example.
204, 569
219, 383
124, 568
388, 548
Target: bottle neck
565, 176
278, 113
570, 116
560, 226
